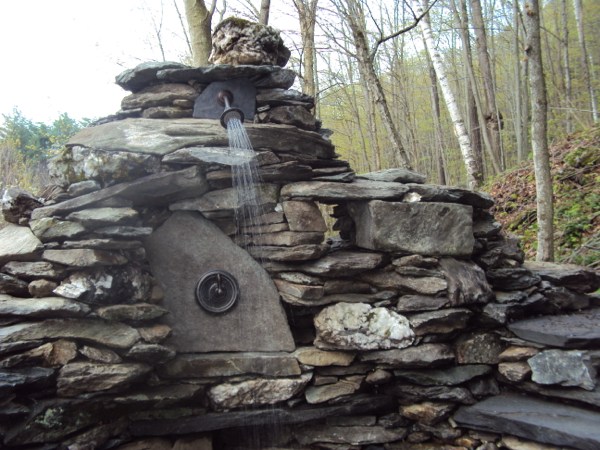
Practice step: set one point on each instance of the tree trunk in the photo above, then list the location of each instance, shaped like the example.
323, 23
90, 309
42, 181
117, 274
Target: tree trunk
265, 8
437, 113
584, 59
474, 176
539, 139
491, 114
307, 15
566, 67
199, 23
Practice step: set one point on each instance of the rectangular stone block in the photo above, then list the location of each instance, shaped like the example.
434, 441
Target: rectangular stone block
423, 228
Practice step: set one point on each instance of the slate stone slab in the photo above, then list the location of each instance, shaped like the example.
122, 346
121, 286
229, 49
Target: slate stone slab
255, 417
538, 420
18, 243
329, 191
394, 175
184, 248
448, 194
577, 278
144, 74
423, 228
444, 377
565, 331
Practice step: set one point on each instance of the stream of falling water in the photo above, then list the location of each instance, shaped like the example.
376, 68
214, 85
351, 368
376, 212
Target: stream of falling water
246, 183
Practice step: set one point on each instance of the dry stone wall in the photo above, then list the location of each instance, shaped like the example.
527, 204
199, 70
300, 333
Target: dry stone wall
404, 321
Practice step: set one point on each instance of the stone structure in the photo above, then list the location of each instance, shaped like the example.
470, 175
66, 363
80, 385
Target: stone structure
411, 326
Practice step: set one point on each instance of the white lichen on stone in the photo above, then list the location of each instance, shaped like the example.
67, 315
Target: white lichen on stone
359, 326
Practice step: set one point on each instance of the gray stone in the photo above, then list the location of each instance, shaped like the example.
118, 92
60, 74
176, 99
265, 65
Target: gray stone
162, 136
359, 326
83, 187
13, 286
102, 355
515, 372
84, 257
467, 283
227, 200
327, 392
486, 227
155, 190
134, 312
114, 335
297, 116
18, 243
312, 356
155, 334
82, 163
424, 228
429, 413
159, 95
255, 392
106, 285
41, 307
50, 354
13, 379
332, 192
17, 205
479, 348
167, 112
343, 263
450, 376
565, 299
41, 288
178, 264
82, 377
275, 364
413, 303
35, 269
355, 435
50, 228
304, 216
300, 278
538, 420
285, 238
420, 356
512, 279
264, 76
340, 286
448, 194
106, 243
144, 74
565, 331
278, 97
425, 262
397, 174
410, 393
150, 353
581, 396
124, 231
102, 217
406, 285
300, 290
578, 278
567, 368
497, 253
441, 321
304, 252
238, 41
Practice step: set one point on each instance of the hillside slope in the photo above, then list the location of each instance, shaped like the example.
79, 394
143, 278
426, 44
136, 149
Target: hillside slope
576, 173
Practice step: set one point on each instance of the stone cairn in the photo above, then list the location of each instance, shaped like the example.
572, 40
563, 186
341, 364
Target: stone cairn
416, 324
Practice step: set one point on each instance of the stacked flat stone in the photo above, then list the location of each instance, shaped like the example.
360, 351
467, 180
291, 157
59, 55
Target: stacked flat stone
413, 317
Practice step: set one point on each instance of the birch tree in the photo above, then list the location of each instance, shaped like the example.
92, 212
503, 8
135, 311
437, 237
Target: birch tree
539, 139
199, 19
474, 175
585, 67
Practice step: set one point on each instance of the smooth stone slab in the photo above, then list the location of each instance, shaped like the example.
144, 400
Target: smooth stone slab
444, 377
397, 174
423, 228
565, 331
305, 252
343, 263
268, 416
12, 379
163, 136
102, 217
421, 356
329, 191
18, 243
578, 278
538, 420
144, 74
41, 307
449, 194
84, 257
156, 189
350, 435
82, 377
184, 248
231, 364
32, 270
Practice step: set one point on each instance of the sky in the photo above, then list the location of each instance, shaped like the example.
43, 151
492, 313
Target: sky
63, 55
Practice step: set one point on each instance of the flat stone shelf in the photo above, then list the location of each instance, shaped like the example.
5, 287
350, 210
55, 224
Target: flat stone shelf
566, 331
537, 420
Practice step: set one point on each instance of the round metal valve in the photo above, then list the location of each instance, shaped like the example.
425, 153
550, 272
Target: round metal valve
217, 291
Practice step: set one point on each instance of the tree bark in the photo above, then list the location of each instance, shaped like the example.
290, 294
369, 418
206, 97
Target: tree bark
474, 176
584, 59
199, 19
566, 67
265, 8
539, 139
307, 15
491, 114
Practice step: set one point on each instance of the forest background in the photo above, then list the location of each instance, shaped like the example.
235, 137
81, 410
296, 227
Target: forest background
378, 88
